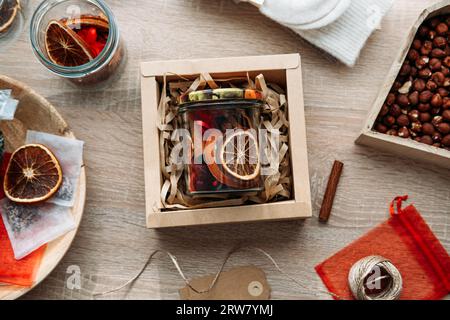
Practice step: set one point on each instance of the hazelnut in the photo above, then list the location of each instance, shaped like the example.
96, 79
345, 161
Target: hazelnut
446, 115
445, 71
414, 115
435, 64
417, 139
414, 72
416, 127
384, 110
437, 120
417, 44
403, 120
446, 61
428, 128
390, 100
424, 107
392, 132
427, 47
438, 77
419, 85
425, 96
424, 117
438, 53
422, 62
434, 22
402, 100
397, 85
439, 42
437, 137
446, 105
381, 128
431, 85
423, 31
432, 35
395, 110
403, 132
436, 101
405, 70
446, 140
446, 82
405, 88
444, 128
443, 92
413, 55
425, 73
427, 140
435, 110
389, 121
442, 29
414, 98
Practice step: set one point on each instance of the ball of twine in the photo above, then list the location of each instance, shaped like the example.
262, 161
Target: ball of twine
359, 280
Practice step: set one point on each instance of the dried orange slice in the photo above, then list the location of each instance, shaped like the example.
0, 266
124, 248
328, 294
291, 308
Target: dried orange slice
33, 174
64, 47
8, 13
239, 155
215, 157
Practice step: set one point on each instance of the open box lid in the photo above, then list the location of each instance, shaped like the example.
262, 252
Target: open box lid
221, 65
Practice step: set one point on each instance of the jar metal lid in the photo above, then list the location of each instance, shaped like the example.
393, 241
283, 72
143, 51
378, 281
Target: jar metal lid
221, 94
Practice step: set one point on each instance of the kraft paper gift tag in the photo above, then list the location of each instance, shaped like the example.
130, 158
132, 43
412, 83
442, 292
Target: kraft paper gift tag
70, 156
244, 283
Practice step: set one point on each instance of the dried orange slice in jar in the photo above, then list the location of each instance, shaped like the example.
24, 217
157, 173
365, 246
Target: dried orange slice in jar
239, 156
64, 47
234, 164
8, 13
33, 175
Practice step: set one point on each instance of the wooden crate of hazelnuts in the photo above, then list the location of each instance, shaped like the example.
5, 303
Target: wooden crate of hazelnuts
411, 115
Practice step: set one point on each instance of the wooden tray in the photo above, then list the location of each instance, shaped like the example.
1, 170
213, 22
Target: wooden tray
36, 113
405, 147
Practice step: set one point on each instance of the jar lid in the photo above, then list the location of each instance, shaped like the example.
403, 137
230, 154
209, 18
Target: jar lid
221, 94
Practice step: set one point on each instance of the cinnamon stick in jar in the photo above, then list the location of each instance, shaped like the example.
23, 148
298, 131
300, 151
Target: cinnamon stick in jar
330, 193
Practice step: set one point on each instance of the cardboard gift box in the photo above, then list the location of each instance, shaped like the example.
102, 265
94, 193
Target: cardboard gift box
405, 147
284, 70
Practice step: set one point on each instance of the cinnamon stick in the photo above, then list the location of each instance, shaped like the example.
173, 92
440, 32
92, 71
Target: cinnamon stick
330, 193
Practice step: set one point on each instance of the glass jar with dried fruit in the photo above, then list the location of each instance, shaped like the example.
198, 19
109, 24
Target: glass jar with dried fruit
78, 40
221, 149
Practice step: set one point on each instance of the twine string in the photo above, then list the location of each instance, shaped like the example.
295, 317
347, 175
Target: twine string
217, 276
357, 279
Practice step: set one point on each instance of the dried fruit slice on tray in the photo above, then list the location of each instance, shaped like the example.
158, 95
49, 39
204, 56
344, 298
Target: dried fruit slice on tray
8, 13
33, 175
64, 47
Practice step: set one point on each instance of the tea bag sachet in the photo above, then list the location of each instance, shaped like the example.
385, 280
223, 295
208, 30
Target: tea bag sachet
8, 105
30, 227
70, 156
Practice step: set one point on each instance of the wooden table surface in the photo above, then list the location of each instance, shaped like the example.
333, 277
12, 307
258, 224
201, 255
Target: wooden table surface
113, 242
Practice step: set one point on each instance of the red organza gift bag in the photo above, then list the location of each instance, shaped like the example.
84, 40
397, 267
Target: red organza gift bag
409, 243
17, 272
